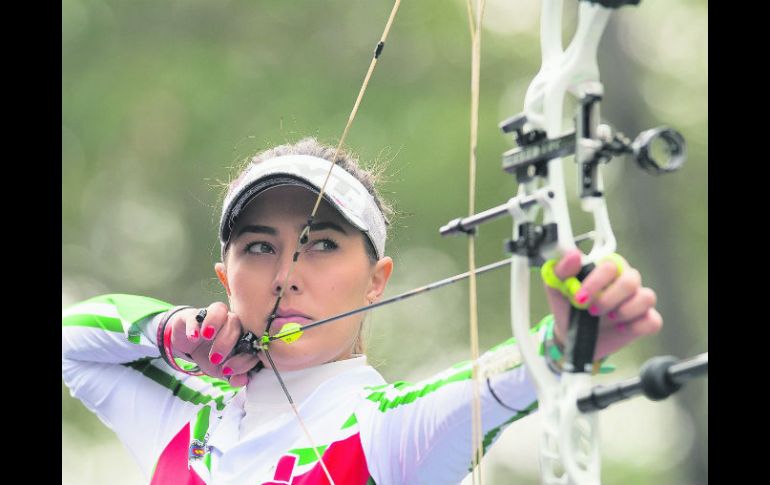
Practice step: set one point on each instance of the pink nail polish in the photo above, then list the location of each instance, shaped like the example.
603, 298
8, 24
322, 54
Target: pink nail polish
594, 310
227, 371
621, 327
208, 333
216, 358
612, 315
581, 296
195, 334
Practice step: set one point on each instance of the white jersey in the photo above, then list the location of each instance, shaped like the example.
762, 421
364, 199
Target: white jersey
188, 429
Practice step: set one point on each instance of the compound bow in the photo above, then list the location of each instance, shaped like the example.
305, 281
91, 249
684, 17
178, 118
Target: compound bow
569, 447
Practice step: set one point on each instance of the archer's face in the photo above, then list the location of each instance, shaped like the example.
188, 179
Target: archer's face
333, 275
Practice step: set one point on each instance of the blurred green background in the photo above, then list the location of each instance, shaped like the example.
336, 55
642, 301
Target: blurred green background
161, 98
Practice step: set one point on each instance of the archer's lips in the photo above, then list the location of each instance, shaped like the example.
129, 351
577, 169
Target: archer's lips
283, 320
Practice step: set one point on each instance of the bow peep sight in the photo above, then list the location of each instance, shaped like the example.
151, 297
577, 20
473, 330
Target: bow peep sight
659, 158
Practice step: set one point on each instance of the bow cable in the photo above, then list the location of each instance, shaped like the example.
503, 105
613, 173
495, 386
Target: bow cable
476, 427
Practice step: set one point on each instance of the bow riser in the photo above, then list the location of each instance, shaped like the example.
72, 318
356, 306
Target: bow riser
569, 448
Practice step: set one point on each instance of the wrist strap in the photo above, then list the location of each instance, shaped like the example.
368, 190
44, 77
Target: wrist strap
164, 343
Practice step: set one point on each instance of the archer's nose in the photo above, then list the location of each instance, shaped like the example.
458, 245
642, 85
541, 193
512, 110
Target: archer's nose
287, 276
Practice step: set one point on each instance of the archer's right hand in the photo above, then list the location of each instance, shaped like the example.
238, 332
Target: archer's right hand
210, 343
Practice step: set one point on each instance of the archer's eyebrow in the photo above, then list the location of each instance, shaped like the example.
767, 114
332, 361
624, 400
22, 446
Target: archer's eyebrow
260, 229
320, 226
256, 229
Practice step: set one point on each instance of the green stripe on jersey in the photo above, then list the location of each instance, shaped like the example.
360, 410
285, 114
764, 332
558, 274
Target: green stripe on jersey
173, 384
222, 385
409, 392
130, 310
199, 431
201, 424
94, 321
350, 422
411, 396
494, 433
307, 455
491, 436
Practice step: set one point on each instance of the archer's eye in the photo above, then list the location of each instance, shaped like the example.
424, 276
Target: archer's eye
323, 245
259, 247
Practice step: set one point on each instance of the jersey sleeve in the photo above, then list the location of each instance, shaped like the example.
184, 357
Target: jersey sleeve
111, 363
416, 433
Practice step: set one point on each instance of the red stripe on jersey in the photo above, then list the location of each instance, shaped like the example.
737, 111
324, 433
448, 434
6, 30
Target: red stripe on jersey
345, 461
172, 464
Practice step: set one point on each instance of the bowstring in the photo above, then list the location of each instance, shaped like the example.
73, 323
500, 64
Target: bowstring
305, 233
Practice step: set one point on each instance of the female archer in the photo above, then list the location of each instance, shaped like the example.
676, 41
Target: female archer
193, 409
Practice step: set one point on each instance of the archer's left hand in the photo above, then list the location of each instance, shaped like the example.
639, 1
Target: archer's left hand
627, 309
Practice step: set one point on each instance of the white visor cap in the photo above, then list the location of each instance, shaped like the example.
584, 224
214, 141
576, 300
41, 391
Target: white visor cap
343, 192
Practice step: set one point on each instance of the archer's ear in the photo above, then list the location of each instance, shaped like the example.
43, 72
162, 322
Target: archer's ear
221, 272
382, 271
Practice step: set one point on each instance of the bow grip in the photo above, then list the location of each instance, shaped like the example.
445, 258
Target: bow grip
582, 334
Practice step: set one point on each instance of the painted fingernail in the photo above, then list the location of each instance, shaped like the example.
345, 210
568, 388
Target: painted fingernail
612, 315
622, 327
227, 371
216, 358
594, 310
195, 334
581, 296
208, 333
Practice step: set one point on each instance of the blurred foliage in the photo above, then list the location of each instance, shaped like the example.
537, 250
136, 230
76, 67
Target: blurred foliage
162, 99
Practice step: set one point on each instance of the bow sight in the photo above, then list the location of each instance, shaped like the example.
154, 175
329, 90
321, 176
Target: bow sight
657, 150
597, 144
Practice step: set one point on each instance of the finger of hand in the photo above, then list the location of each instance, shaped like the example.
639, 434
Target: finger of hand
200, 355
603, 275
633, 307
227, 336
192, 328
617, 335
648, 324
568, 265
180, 334
617, 291
239, 364
216, 316
239, 380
